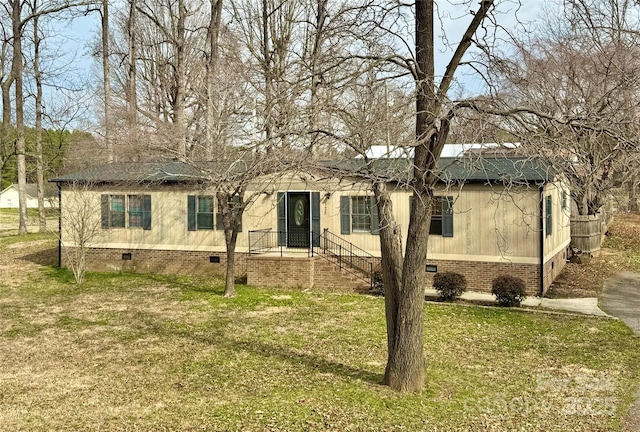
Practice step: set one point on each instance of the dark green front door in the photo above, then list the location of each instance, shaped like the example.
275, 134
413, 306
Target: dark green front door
298, 220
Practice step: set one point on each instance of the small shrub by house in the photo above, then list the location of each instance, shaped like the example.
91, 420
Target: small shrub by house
509, 290
449, 285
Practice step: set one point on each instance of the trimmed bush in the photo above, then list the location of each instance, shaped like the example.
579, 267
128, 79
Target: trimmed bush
377, 285
449, 285
509, 290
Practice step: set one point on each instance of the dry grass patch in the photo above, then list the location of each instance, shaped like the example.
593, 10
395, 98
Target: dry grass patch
140, 352
620, 252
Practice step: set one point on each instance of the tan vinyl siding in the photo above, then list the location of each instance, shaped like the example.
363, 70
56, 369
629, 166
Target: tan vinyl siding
491, 224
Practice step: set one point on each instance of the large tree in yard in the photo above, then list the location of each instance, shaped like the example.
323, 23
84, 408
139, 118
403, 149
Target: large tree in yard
404, 278
380, 60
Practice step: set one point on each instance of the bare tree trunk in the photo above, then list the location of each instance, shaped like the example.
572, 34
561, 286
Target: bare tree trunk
316, 76
42, 218
230, 279
106, 81
391, 248
6, 107
132, 97
6, 146
267, 70
231, 218
181, 81
406, 366
633, 195
16, 71
213, 116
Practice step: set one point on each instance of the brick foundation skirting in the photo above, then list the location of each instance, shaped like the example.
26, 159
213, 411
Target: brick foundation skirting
480, 275
553, 267
283, 272
158, 261
302, 272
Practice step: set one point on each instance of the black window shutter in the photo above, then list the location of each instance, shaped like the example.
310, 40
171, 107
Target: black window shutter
345, 215
282, 220
146, 208
104, 211
447, 217
549, 216
191, 213
375, 220
315, 217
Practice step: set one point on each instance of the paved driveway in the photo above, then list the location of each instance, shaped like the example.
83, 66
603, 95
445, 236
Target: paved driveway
621, 298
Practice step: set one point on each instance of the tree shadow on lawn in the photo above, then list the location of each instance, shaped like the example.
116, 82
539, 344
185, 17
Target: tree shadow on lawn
45, 257
308, 360
275, 351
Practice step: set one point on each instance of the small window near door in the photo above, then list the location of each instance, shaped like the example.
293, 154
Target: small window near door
358, 214
361, 214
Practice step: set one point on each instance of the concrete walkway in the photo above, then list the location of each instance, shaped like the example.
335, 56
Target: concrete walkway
587, 306
621, 298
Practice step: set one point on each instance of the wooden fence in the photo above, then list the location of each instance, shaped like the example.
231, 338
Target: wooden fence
587, 232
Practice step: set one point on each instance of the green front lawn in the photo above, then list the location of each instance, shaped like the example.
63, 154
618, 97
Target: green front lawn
136, 352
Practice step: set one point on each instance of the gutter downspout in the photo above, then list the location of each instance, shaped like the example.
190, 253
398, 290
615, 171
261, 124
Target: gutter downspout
59, 225
542, 232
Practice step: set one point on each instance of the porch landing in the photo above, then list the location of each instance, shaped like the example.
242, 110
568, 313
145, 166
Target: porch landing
299, 270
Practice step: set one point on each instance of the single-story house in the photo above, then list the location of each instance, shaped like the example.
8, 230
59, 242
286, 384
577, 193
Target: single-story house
505, 215
9, 196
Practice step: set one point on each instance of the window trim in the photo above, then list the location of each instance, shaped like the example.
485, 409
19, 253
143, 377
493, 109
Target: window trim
193, 207
142, 212
122, 213
107, 212
437, 214
193, 213
360, 220
202, 214
219, 223
346, 215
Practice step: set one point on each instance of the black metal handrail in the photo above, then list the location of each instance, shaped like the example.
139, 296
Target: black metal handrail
347, 255
267, 240
327, 245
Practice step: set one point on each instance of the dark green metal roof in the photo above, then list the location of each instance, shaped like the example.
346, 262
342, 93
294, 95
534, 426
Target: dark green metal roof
468, 169
151, 172
465, 169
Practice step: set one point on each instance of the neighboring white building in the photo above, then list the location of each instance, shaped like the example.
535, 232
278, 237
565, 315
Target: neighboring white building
9, 197
449, 150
